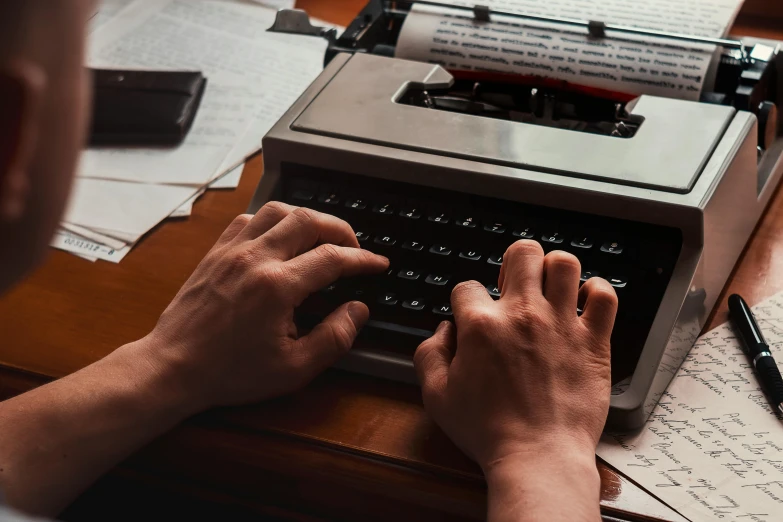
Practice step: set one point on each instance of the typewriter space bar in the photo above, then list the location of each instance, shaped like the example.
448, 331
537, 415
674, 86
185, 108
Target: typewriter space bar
417, 333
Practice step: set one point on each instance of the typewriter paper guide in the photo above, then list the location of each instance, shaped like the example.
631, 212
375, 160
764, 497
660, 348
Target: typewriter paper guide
668, 152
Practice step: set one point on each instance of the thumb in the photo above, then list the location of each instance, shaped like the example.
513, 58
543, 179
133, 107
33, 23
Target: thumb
334, 336
432, 361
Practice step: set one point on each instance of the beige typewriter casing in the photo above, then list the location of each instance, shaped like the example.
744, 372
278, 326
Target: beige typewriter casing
691, 166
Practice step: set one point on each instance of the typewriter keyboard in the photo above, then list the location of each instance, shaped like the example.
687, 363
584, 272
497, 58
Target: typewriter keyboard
437, 238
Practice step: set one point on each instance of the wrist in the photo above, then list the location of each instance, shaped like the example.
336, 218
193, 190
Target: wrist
532, 484
161, 378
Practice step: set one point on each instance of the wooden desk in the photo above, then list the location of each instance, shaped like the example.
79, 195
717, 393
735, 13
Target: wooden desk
346, 448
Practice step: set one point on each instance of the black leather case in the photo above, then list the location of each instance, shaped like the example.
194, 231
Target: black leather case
142, 108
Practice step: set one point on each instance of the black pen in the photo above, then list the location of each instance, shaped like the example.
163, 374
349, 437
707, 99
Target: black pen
757, 349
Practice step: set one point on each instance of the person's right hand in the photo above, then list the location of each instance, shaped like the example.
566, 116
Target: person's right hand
229, 337
522, 384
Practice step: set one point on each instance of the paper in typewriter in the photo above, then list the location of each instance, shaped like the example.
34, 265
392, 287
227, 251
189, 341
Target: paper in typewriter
713, 447
622, 63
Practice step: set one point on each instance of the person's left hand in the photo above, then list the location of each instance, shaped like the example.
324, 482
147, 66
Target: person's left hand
229, 337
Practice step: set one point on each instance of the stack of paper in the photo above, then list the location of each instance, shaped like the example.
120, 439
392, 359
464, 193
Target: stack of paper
253, 78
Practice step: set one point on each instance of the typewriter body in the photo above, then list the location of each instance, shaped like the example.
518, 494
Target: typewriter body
441, 174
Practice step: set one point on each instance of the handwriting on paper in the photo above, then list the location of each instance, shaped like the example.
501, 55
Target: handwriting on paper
713, 447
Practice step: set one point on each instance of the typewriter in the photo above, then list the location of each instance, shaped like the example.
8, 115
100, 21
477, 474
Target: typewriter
442, 172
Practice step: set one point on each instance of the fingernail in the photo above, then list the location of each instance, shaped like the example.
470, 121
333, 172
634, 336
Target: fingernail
356, 311
441, 326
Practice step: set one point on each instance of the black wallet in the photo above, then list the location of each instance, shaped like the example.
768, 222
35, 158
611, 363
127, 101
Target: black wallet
143, 108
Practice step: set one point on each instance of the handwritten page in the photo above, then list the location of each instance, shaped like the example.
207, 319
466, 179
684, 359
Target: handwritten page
625, 63
713, 447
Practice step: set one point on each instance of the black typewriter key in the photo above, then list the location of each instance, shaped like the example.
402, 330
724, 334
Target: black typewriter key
495, 228
388, 299
555, 238
582, 242
524, 233
362, 237
466, 222
612, 248
413, 245
495, 259
440, 218
386, 209
588, 274
410, 213
356, 204
385, 241
437, 279
444, 309
303, 195
411, 275
441, 250
493, 290
618, 282
414, 304
470, 255
330, 289
329, 199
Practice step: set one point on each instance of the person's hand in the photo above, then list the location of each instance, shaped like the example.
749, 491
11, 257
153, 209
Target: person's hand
229, 337
523, 383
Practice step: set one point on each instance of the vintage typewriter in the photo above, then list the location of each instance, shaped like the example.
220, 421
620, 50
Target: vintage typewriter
442, 173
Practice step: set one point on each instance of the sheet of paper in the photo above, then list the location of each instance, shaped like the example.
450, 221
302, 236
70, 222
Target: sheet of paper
713, 447
696, 17
228, 42
85, 248
221, 122
92, 235
107, 10
230, 180
131, 209
627, 63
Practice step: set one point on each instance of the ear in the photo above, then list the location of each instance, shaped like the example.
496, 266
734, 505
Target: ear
21, 95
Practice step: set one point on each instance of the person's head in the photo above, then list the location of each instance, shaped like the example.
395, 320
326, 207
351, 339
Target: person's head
43, 115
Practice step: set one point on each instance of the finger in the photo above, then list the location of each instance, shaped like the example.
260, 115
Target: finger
600, 306
270, 215
304, 229
561, 281
327, 263
234, 229
523, 271
469, 296
432, 361
332, 338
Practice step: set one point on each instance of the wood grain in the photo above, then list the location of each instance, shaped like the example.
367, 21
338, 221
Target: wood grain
347, 448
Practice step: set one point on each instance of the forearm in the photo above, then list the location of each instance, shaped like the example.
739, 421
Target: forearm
56, 440
556, 488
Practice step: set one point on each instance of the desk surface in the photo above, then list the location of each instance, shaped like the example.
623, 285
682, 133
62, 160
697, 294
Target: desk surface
348, 446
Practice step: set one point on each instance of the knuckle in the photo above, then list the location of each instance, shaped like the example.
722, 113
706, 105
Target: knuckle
241, 261
464, 286
478, 323
342, 336
563, 259
602, 292
241, 220
524, 248
273, 279
275, 208
329, 253
305, 215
